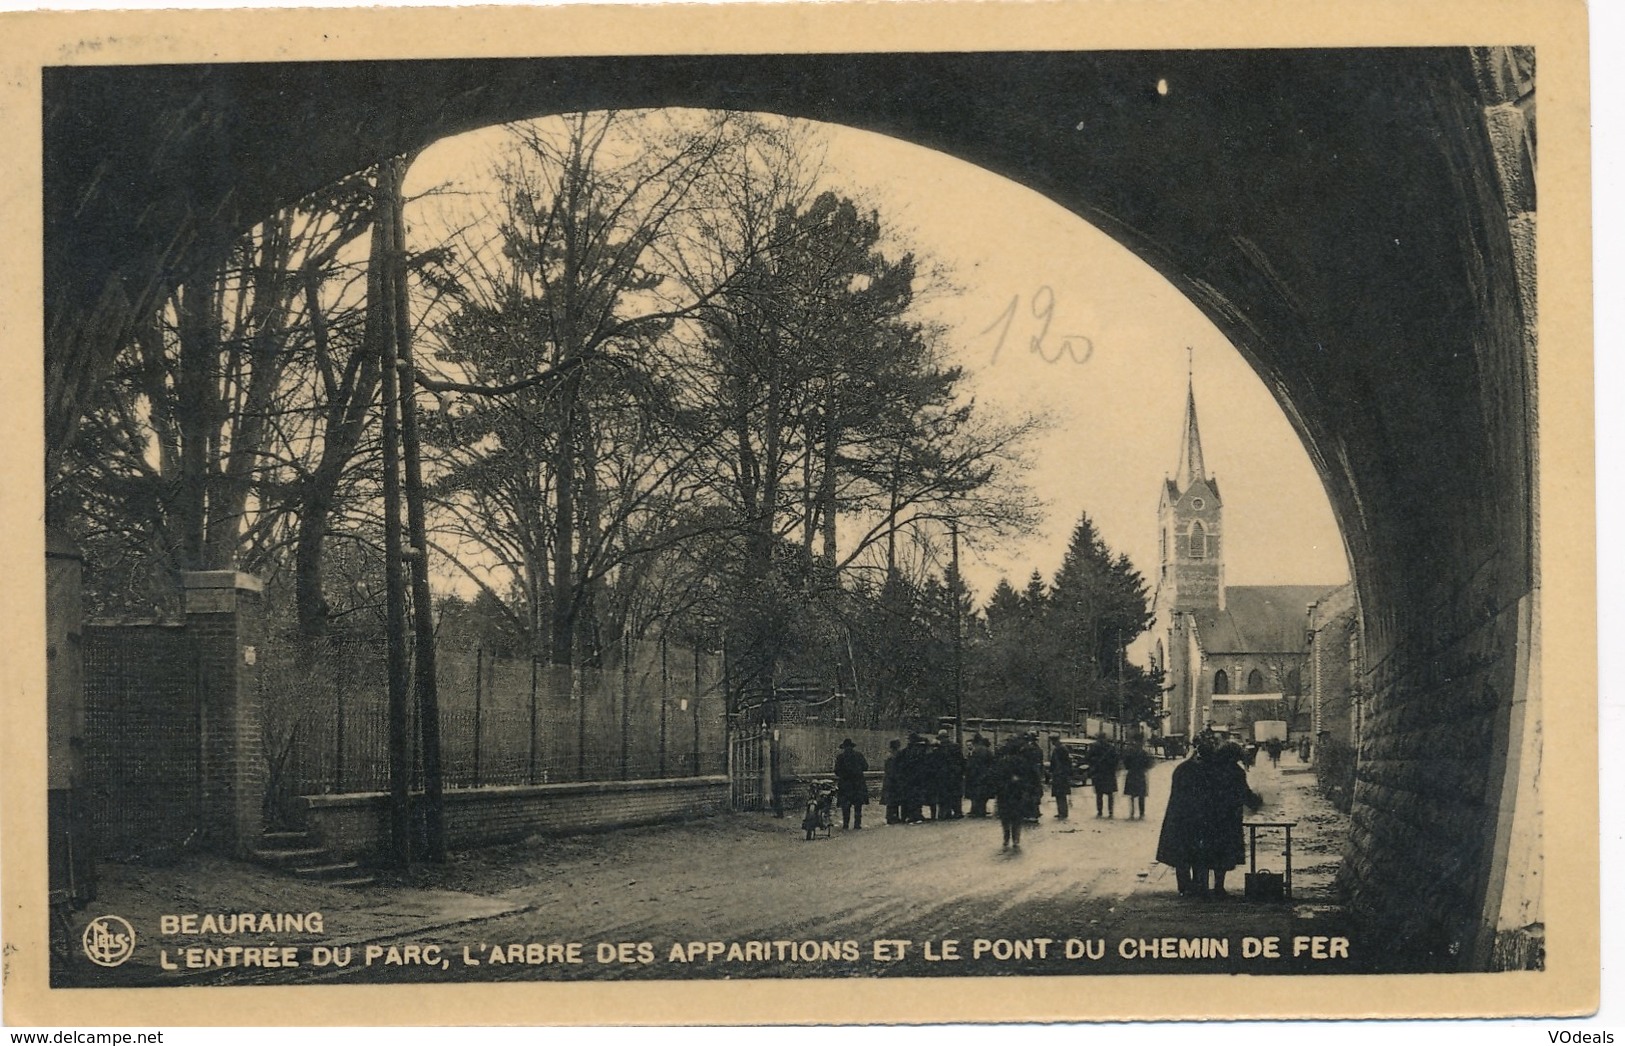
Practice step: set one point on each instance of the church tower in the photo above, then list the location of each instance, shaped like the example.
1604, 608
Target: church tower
1190, 573
1190, 578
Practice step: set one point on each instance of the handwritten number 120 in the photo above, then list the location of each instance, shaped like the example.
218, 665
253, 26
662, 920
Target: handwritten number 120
1077, 347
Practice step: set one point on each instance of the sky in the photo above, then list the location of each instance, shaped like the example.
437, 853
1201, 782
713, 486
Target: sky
1050, 315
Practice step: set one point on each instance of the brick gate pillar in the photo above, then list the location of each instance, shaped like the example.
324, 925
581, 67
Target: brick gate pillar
223, 626
72, 851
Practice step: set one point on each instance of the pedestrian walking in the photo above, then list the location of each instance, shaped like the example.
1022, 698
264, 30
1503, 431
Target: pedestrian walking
1060, 775
891, 793
1018, 783
979, 778
851, 786
1136, 779
1273, 746
1103, 776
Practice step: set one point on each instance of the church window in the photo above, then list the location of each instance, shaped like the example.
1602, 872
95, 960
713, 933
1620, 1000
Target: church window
1198, 503
1255, 682
1164, 534
1198, 541
1221, 682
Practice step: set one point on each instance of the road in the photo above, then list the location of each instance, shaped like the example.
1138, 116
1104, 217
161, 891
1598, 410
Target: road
746, 896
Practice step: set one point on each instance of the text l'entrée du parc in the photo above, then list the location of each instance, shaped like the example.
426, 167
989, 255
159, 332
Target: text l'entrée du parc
267, 953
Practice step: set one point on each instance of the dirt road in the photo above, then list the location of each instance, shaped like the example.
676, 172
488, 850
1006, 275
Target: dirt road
748, 897
744, 896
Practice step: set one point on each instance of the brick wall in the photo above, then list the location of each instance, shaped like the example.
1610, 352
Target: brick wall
172, 753
222, 622
357, 825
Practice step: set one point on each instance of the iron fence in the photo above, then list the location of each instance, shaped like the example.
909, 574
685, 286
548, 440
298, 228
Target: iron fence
655, 710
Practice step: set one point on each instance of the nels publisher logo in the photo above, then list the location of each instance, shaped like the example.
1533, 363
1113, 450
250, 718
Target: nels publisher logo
109, 941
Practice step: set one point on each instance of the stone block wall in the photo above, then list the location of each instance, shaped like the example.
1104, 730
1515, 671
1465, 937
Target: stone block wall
1428, 795
1444, 864
356, 826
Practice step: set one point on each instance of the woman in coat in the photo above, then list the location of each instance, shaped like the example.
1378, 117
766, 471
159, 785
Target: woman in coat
1018, 783
1226, 795
1136, 786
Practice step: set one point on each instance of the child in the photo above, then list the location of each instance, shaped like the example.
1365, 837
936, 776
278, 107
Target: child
818, 807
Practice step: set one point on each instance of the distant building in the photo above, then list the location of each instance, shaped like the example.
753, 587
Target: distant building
1230, 654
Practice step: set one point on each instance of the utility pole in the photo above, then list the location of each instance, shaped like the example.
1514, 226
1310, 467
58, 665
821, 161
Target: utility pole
959, 651
381, 321
425, 678
1120, 684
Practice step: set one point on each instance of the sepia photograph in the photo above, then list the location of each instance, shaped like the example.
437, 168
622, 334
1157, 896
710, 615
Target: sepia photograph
793, 515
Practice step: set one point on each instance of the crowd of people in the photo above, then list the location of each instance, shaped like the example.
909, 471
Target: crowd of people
931, 780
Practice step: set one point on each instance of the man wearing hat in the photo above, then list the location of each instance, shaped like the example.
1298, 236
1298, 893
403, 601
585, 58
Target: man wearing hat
851, 787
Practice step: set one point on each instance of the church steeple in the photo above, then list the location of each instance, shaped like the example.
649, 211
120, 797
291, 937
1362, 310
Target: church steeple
1191, 467
1191, 520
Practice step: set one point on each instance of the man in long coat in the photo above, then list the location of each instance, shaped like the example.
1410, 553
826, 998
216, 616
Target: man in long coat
851, 787
1060, 775
891, 790
1136, 779
914, 779
1034, 753
1180, 844
979, 775
1103, 776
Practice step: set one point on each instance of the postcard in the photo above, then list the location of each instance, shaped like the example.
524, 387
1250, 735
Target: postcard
844, 513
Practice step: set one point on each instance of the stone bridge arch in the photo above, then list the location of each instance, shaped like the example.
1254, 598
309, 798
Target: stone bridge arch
1358, 222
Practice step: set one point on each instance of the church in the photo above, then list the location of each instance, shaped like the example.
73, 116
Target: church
1230, 654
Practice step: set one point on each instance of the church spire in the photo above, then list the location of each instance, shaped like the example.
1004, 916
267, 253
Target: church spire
1191, 467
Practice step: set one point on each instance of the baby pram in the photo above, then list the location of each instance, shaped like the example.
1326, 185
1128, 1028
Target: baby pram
819, 816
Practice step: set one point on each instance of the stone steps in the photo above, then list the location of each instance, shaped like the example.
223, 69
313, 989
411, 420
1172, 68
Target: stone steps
297, 854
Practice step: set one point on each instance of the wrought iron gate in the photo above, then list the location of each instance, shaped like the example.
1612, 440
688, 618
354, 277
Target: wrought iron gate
746, 747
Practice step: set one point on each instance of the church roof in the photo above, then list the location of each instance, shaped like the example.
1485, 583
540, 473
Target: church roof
1259, 619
